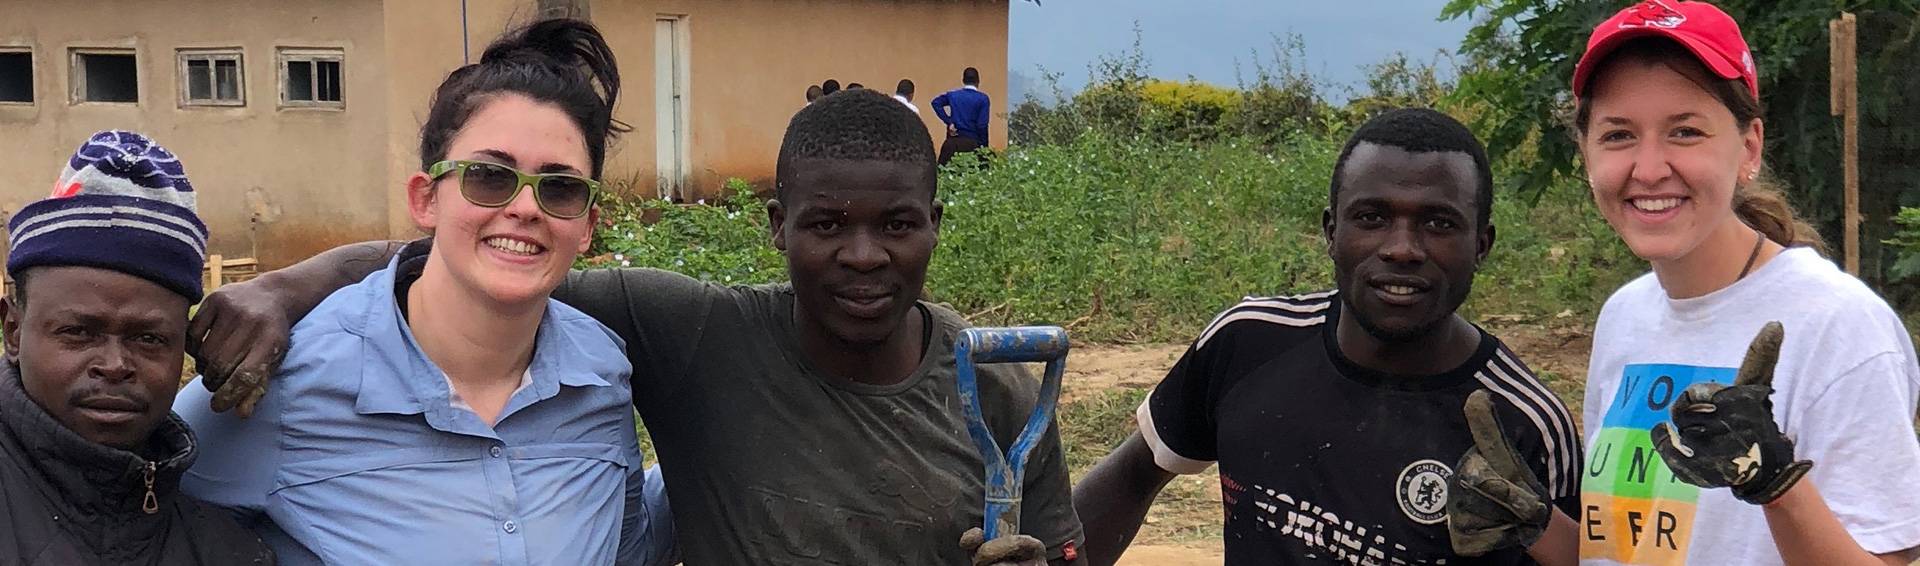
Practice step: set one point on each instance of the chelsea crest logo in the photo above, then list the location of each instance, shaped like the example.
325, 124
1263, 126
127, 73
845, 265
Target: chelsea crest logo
1422, 491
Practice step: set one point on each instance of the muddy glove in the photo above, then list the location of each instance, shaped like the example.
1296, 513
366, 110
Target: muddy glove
1727, 437
1493, 500
1009, 550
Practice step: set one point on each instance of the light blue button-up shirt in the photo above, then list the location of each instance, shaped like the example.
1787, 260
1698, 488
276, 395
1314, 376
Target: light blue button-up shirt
357, 454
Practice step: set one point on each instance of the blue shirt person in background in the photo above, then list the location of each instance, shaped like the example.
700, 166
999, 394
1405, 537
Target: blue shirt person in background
965, 111
446, 410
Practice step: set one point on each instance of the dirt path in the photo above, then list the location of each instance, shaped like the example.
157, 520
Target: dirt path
1097, 368
1156, 555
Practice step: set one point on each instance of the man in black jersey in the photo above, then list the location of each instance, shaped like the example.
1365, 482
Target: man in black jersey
1336, 417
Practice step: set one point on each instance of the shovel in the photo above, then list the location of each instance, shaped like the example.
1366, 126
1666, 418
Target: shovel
1005, 470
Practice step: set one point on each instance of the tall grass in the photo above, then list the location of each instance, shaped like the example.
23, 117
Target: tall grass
1130, 240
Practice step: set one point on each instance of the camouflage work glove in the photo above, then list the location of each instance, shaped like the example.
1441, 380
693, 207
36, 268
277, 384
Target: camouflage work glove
1493, 500
1009, 550
1726, 435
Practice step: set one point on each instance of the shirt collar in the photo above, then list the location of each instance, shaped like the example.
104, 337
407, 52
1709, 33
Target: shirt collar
970, 87
397, 377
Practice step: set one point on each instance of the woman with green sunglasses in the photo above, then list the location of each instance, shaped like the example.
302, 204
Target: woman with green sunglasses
445, 410
492, 185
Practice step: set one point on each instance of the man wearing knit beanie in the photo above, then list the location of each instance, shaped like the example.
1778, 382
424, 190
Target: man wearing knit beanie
104, 272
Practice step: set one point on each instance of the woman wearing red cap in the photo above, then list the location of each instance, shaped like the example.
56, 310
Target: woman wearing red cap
1802, 452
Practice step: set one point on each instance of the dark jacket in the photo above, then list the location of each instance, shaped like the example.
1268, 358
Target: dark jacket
69, 502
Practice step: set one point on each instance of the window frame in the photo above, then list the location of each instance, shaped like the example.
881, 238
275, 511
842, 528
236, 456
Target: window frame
33, 68
211, 54
285, 55
77, 74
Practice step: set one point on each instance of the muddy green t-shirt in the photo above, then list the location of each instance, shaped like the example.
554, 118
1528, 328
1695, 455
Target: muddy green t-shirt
770, 461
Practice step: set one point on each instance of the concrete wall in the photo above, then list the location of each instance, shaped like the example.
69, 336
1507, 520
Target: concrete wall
277, 184
427, 45
751, 62
283, 184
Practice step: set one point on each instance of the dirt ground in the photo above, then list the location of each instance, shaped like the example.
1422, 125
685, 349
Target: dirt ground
1183, 528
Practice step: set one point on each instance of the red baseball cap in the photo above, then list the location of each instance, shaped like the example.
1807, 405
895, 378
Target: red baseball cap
1710, 34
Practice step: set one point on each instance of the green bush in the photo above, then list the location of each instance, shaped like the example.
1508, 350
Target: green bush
723, 241
1138, 240
1189, 110
1906, 245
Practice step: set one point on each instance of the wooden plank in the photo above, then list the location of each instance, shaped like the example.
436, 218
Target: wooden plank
215, 267
1847, 77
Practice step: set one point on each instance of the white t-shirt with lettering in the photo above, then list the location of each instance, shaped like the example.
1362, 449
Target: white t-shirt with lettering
1845, 390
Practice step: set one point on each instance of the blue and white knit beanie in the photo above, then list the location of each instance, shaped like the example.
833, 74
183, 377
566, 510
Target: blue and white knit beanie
122, 203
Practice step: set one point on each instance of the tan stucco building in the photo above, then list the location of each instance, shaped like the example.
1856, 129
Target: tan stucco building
298, 120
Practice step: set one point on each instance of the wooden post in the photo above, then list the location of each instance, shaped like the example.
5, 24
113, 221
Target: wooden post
214, 275
1845, 82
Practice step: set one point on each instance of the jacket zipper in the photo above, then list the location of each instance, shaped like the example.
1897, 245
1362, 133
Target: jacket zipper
150, 504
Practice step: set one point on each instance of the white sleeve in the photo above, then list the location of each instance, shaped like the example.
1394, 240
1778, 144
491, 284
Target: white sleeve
1860, 435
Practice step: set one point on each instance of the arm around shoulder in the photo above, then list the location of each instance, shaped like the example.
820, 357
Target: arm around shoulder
240, 332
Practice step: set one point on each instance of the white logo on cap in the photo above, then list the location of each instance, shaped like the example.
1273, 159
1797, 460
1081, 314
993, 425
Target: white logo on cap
1653, 13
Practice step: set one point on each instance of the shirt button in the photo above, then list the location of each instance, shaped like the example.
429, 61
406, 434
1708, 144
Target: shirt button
495, 451
510, 527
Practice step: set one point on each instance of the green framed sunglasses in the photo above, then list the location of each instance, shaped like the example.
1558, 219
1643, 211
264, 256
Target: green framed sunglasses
493, 185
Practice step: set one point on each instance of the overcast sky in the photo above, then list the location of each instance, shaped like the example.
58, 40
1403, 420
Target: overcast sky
1205, 39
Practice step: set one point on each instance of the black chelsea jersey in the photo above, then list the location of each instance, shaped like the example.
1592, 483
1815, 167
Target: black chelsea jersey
1322, 461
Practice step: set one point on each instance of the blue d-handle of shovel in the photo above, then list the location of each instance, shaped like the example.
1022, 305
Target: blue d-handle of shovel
1005, 470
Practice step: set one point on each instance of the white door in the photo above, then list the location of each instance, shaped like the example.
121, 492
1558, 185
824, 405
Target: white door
670, 105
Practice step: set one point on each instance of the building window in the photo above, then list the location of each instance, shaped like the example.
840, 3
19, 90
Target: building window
105, 75
311, 78
16, 76
210, 77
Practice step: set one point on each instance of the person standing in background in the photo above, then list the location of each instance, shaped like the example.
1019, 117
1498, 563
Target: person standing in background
904, 93
965, 111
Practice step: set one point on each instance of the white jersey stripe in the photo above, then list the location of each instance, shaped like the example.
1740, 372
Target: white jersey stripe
1293, 321
1252, 308
1558, 407
1552, 443
1545, 401
1315, 302
1163, 455
1557, 442
1286, 305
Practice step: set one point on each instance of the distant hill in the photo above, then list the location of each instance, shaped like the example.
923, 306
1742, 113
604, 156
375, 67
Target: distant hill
1017, 85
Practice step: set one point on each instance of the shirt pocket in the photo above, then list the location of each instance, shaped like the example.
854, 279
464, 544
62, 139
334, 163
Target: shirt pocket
388, 506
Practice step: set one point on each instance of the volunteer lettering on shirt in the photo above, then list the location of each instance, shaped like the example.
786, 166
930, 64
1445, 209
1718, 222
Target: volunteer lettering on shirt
1845, 390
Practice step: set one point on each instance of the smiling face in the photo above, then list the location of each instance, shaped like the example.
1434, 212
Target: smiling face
1403, 238
858, 235
1663, 157
100, 350
515, 253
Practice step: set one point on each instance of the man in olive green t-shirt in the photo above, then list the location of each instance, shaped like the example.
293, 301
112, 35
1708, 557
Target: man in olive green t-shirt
812, 422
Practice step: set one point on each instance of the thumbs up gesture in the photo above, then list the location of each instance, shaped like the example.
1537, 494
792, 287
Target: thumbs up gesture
1724, 436
1493, 499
